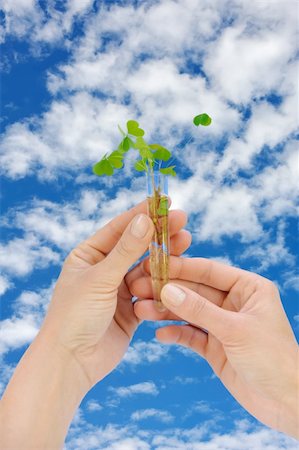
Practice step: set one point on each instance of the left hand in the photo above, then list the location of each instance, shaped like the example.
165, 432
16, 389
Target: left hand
91, 314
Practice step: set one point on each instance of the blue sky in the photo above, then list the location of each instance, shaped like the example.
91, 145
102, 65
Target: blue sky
71, 71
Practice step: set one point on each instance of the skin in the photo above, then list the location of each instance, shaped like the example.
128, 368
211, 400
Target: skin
236, 321
86, 331
91, 319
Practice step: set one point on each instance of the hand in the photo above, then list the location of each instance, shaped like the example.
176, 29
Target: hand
237, 323
91, 313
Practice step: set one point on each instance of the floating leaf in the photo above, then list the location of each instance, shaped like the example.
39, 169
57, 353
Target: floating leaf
168, 171
103, 167
140, 165
202, 119
161, 152
116, 159
133, 128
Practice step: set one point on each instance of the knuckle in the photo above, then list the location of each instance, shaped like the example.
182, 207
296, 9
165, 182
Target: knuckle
123, 248
197, 305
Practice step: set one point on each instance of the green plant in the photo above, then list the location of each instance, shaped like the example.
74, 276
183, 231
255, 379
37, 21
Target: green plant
151, 159
150, 156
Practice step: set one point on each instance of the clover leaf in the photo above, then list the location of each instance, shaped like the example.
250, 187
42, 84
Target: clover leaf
168, 171
116, 159
151, 155
140, 165
133, 128
161, 153
103, 167
202, 119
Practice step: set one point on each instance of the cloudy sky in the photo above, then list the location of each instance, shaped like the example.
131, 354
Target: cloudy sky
71, 71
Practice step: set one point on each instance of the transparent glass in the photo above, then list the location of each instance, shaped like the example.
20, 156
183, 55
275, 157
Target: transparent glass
157, 195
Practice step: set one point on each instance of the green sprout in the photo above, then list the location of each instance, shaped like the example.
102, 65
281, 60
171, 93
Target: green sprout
149, 155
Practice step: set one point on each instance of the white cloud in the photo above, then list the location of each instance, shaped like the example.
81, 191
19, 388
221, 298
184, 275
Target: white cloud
20, 256
231, 211
26, 19
243, 63
185, 380
147, 387
202, 407
51, 229
271, 253
291, 281
152, 413
70, 135
21, 328
160, 415
141, 352
267, 126
5, 284
93, 405
276, 187
16, 332
81, 126
243, 436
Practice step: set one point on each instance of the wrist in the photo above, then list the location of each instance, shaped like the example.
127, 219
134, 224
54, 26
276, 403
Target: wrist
41, 397
65, 359
288, 421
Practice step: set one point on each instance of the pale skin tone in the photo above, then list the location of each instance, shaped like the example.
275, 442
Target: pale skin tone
250, 344
91, 320
87, 330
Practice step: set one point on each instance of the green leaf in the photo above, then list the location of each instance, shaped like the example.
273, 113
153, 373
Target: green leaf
126, 144
141, 143
202, 119
133, 128
168, 171
121, 130
140, 165
146, 153
161, 152
163, 207
103, 167
116, 159
132, 144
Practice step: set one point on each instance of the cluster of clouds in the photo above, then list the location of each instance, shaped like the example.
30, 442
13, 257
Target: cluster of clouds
160, 62
206, 436
27, 19
118, 69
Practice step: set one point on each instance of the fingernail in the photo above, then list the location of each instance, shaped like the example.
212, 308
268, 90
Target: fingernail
140, 226
173, 295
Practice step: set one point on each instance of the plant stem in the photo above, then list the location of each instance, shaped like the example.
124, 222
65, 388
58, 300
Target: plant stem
159, 247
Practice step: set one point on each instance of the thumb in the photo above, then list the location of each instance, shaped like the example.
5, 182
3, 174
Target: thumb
130, 247
197, 310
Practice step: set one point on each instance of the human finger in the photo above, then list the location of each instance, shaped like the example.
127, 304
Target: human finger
129, 248
146, 310
180, 242
198, 310
95, 248
185, 335
204, 271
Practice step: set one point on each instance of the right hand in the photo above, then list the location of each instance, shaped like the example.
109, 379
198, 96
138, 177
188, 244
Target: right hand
237, 323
